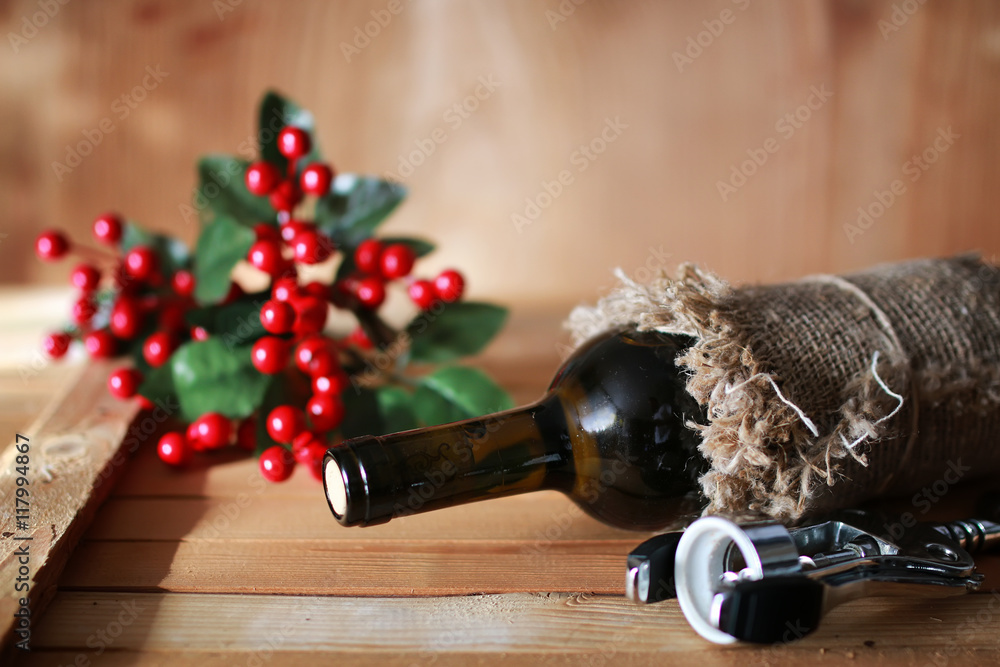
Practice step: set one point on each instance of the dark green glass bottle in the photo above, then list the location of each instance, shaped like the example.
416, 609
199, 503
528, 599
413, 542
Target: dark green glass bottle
610, 433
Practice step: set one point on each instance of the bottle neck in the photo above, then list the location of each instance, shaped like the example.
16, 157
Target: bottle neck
372, 479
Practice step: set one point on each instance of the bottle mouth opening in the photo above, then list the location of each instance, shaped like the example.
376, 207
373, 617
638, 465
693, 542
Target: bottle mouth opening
336, 489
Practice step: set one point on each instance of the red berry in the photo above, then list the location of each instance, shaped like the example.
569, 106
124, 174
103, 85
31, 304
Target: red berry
124, 382
173, 316
199, 333
266, 256
51, 245
360, 338
316, 179
330, 384
108, 228
261, 178
277, 317
276, 464
368, 256
246, 434
126, 318
285, 422
100, 344
292, 228
141, 262
423, 294
285, 289
316, 356
174, 449
311, 247
293, 142
213, 429
371, 292
301, 440
316, 289
56, 344
286, 196
158, 348
83, 311
144, 403
397, 261
265, 232
325, 411
270, 355
310, 454
310, 314
449, 285
183, 283
192, 437
85, 277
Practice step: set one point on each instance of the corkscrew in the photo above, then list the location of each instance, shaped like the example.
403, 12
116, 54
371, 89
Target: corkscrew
762, 582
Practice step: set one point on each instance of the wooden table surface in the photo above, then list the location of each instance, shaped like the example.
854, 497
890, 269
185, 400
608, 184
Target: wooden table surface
214, 566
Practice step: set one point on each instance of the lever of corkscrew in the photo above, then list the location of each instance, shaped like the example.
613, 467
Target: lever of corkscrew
762, 582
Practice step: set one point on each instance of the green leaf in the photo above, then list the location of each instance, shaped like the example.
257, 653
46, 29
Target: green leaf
395, 406
454, 331
210, 376
171, 253
276, 112
158, 385
361, 415
222, 243
347, 266
237, 323
455, 393
355, 206
222, 192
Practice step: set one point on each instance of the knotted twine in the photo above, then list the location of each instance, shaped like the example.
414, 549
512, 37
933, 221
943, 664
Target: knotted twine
831, 390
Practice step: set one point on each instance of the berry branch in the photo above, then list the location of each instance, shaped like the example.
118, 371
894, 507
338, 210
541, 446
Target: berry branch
262, 370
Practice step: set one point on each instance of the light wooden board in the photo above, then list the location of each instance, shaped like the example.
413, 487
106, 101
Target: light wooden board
74, 457
515, 628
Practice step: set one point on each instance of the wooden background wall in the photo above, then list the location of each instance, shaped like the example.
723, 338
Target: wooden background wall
901, 73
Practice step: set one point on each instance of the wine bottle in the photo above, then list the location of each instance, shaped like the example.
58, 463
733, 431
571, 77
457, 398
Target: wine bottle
610, 433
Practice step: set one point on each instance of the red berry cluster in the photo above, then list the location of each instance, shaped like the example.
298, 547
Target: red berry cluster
145, 301
139, 299
296, 314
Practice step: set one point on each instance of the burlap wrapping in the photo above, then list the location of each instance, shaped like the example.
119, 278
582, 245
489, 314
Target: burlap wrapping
831, 390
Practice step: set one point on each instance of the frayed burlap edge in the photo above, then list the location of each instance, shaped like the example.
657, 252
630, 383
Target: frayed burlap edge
766, 456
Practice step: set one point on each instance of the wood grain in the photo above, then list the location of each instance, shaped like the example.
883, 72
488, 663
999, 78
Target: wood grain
649, 200
76, 450
520, 628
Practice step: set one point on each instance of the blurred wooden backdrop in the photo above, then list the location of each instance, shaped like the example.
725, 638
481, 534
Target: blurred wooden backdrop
682, 92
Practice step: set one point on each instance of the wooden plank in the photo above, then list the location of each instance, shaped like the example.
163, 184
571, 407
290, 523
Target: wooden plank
520, 628
535, 519
75, 455
365, 567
